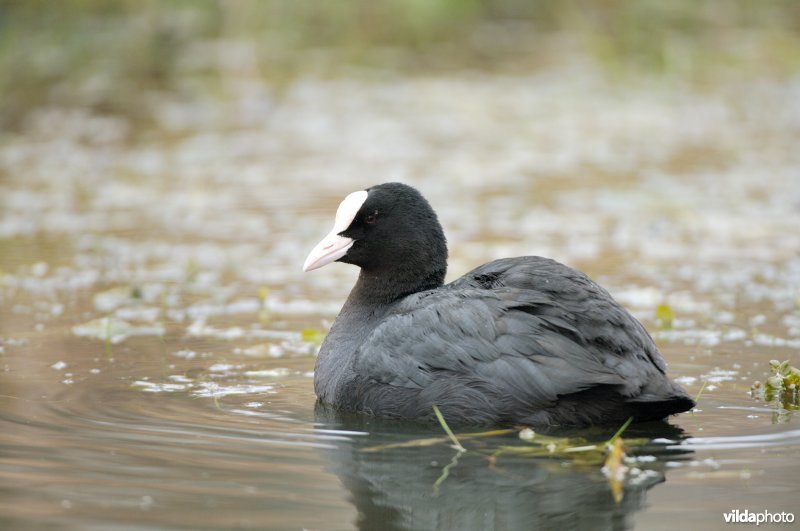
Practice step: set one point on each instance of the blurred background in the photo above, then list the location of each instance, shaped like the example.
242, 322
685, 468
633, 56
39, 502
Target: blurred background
121, 58
222, 118
165, 167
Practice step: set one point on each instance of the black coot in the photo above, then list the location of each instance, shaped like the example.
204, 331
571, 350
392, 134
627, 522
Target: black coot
519, 340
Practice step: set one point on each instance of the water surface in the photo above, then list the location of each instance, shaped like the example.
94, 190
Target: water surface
157, 337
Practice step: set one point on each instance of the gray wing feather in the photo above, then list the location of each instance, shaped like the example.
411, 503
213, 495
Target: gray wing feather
540, 328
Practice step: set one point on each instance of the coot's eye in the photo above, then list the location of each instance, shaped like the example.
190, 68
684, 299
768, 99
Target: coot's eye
371, 218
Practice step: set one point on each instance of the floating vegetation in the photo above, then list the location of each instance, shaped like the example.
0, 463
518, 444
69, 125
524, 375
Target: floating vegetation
614, 467
782, 386
665, 315
312, 335
615, 470
577, 449
609, 454
431, 441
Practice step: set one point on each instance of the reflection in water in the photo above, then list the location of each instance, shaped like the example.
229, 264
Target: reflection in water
394, 488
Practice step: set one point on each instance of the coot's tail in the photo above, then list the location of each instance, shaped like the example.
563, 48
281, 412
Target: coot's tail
644, 411
605, 405
668, 399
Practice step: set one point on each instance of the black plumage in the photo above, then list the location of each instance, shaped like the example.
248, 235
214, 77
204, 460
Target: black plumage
518, 340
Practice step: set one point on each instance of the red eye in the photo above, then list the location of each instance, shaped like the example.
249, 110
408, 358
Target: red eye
371, 219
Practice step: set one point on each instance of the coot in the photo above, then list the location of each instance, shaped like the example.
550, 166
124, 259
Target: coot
522, 340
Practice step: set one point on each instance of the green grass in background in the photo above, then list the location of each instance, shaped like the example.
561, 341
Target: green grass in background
109, 56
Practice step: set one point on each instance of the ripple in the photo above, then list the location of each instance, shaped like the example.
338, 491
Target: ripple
790, 438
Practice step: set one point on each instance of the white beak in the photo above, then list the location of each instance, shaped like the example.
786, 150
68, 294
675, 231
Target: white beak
334, 246
331, 248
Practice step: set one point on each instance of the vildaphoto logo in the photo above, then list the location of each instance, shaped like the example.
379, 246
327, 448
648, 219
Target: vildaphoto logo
737, 516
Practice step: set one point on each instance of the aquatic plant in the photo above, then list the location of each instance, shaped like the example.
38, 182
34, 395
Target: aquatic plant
611, 453
312, 335
447, 430
665, 315
782, 386
577, 449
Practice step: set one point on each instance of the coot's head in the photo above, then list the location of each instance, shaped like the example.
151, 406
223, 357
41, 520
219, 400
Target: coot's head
389, 228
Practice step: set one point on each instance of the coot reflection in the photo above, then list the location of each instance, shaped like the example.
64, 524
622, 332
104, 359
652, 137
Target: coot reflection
393, 488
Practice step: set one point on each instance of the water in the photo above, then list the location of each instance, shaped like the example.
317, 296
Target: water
157, 336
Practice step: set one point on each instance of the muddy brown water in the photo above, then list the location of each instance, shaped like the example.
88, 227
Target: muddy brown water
157, 337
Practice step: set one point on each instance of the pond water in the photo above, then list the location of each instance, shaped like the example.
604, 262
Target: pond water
157, 337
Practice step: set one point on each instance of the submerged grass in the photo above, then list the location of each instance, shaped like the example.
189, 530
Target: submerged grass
619, 432
610, 454
431, 441
447, 430
700, 392
456, 445
446, 472
697, 401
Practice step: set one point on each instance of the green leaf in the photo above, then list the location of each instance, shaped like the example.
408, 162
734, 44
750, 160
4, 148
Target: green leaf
665, 315
312, 335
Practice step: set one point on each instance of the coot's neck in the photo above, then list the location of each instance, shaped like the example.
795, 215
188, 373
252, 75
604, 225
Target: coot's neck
371, 299
382, 287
